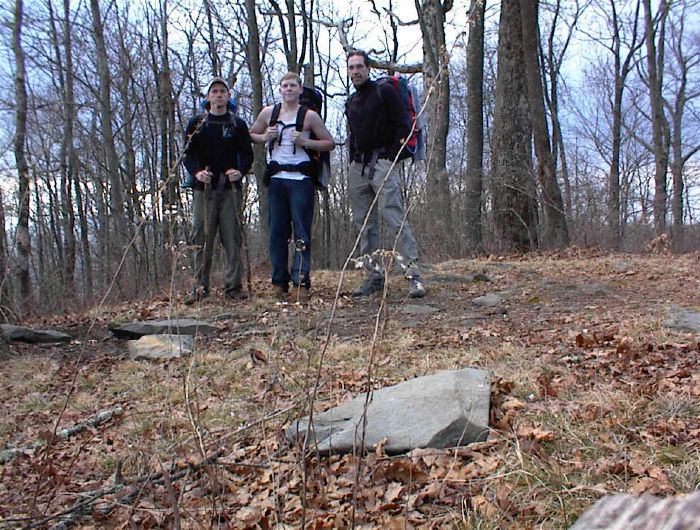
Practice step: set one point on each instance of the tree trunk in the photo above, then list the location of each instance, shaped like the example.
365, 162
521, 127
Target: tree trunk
431, 15
556, 233
256, 82
168, 173
659, 125
475, 125
5, 291
213, 50
21, 104
513, 186
621, 71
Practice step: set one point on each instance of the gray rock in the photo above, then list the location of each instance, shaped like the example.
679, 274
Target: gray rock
596, 289
179, 326
223, 316
415, 309
161, 347
446, 409
33, 336
489, 300
683, 320
632, 512
456, 278
622, 266
407, 323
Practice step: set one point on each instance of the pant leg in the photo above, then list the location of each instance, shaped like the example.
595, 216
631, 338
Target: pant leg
204, 225
301, 203
361, 195
280, 231
391, 209
230, 234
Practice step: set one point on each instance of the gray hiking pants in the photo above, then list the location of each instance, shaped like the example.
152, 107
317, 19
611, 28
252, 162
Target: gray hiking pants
386, 216
217, 212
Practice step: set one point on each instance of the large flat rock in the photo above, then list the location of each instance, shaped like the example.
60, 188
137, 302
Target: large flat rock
176, 326
33, 336
446, 409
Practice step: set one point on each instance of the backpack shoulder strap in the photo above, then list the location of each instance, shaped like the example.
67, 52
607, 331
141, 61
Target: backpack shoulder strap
275, 116
301, 115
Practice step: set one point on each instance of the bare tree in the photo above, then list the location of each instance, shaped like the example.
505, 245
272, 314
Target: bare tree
553, 58
116, 194
622, 66
684, 144
513, 186
556, 233
22, 235
431, 16
654, 37
475, 125
256, 83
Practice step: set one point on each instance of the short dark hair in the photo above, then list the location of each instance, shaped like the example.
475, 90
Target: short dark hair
358, 53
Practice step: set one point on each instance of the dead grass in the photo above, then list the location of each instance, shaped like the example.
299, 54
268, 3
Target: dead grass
603, 399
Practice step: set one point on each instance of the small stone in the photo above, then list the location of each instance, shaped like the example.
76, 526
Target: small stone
489, 300
150, 347
415, 309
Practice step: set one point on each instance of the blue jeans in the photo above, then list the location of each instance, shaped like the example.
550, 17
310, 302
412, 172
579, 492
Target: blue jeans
291, 206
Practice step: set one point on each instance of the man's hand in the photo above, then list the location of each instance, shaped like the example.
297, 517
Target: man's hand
271, 133
234, 175
203, 176
298, 138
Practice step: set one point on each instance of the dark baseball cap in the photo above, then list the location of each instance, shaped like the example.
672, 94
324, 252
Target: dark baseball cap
216, 81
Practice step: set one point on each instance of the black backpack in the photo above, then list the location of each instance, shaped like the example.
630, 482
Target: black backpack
310, 99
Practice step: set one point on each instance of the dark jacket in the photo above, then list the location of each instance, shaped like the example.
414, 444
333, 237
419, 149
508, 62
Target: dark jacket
221, 143
376, 123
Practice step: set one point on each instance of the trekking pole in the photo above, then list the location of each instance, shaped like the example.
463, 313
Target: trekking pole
299, 248
205, 249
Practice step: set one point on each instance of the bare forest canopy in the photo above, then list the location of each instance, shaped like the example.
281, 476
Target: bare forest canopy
548, 123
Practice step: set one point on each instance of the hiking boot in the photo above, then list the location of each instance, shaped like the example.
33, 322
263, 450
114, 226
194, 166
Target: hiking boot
415, 287
371, 284
280, 292
301, 294
236, 294
197, 295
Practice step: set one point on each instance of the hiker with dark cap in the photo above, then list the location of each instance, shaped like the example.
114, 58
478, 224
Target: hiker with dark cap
291, 129
218, 153
378, 123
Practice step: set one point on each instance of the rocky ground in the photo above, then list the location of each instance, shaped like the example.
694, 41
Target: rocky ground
593, 392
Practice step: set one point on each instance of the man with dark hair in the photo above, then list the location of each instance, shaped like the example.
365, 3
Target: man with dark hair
218, 153
378, 124
290, 186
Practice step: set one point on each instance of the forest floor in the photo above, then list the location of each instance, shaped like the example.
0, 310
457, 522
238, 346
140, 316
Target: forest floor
591, 395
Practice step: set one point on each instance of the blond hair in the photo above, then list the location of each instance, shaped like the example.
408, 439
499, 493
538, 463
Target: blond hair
291, 75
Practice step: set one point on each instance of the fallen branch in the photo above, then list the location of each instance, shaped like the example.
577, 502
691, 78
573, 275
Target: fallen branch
76, 512
79, 510
101, 417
